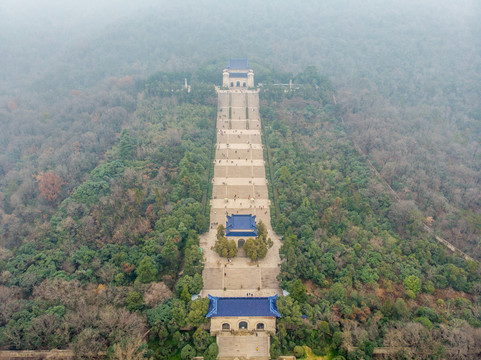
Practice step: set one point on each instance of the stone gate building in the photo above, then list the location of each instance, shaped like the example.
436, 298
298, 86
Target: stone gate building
238, 74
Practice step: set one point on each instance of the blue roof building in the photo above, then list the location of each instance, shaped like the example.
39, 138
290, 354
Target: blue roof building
238, 75
241, 225
238, 64
243, 306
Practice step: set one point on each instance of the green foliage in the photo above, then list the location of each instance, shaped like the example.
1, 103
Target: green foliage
193, 260
413, 283
410, 294
135, 219
424, 321
255, 248
211, 352
290, 311
169, 251
146, 270
220, 232
299, 352
185, 294
341, 227
225, 248
126, 146
179, 312
83, 257
275, 348
428, 287
159, 315
187, 352
337, 292
98, 183
135, 301
337, 339
298, 291
190, 284
202, 340
324, 327
400, 309
197, 312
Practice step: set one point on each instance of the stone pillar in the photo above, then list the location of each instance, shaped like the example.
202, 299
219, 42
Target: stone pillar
250, 78
225, 79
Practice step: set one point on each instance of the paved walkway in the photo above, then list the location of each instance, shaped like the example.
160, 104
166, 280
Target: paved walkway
239, 187
243, 346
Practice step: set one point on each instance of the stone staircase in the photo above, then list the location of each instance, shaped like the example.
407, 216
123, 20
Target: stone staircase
243, 346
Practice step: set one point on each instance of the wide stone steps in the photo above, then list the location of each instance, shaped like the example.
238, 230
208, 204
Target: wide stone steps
243, 347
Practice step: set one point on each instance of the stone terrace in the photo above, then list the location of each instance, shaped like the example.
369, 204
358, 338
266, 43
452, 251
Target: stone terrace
239, 187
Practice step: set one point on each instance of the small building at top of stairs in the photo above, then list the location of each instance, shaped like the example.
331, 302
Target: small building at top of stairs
232, 314
238, 75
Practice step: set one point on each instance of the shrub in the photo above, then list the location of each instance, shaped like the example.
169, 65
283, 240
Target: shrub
187, 352
299, 352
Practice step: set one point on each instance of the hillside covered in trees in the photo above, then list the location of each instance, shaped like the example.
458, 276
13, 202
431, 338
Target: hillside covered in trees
102, 273
104, 171
359, 266
407, 75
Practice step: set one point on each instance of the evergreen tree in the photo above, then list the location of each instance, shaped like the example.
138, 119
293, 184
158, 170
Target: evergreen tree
146, 270
126, 146
298, 291
211, 352
187, 352
185, 295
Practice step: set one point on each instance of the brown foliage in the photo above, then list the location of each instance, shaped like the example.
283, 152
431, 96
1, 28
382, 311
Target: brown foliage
49, 185
119, 322
66, 292
156, 294
130, 349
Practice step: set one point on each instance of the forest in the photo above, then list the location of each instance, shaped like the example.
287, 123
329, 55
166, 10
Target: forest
102, 274
359, 265
105, 166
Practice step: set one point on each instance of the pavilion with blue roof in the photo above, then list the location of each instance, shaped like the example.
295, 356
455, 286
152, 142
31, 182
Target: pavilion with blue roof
238, 64
241, 225
238, 74
243, 306
243, 313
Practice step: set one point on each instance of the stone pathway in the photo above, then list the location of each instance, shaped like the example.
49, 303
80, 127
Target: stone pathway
239, 187
243, 346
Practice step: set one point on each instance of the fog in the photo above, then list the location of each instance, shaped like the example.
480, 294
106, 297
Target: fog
397, 66
87, 40
106, 162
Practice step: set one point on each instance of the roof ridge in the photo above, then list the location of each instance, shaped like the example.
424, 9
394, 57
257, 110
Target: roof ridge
243, 297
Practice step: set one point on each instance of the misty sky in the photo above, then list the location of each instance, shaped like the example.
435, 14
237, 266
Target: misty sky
38, 35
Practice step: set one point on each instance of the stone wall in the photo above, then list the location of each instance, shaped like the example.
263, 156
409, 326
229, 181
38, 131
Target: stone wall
252, 322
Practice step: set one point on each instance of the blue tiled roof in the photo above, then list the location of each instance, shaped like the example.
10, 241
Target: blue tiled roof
238, 75
241, 225
243, 306
238, 64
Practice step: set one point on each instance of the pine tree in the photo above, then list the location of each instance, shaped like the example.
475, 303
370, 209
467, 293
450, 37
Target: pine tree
126, 146
185, 295
146, 270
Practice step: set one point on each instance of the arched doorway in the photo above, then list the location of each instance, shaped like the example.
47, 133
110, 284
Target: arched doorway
243, 325
238, 84
244, 84
240, 243
225, 326
260, 326
232, 84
